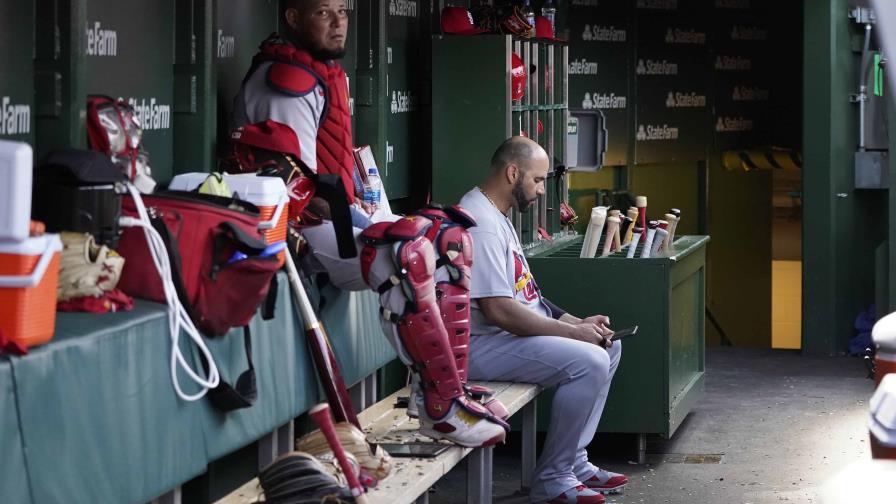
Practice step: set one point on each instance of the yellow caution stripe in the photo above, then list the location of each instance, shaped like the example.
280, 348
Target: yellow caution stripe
762, 159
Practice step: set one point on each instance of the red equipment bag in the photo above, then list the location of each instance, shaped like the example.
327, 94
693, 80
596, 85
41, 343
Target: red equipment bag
202, 233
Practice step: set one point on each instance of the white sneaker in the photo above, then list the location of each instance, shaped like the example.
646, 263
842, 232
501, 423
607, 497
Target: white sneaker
462, 427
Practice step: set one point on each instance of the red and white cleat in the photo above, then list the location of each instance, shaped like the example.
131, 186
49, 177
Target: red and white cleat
579, 495
607, 481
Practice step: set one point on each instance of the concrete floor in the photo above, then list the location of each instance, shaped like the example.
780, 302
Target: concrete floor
782, 424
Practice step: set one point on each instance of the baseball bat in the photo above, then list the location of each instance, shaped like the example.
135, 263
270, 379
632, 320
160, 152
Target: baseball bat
321, 416
669, 218
625, 230
324, 360
633, 244
641, 204
612, 229
615, 213
663, 224
658, 240
633, 215
592, 234
673, 224
648, 241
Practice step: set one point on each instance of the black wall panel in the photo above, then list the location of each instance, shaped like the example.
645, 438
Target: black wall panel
672, 81
601, 41
17, 74
240, 26
130, 55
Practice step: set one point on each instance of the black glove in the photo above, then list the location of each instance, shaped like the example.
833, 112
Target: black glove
298, 478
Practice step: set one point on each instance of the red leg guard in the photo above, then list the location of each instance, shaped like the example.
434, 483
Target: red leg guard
422, 332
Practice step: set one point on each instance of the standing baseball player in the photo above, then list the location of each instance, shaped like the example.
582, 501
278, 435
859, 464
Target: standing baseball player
518, 335
417, 264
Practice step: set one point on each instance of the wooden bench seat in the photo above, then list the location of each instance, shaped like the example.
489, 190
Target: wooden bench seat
411, 478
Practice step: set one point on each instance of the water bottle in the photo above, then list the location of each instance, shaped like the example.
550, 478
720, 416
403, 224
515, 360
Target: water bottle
549, 12
373, 188
529, 13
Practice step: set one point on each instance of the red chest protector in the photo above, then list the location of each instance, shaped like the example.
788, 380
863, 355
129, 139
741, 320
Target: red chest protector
296, 73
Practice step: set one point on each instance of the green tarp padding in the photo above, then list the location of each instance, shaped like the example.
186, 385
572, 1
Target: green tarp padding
100, 419
13, 479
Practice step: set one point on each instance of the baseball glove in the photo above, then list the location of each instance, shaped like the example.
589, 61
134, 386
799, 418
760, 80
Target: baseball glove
513, 22
85, 268
299, 478
485, 17
376, 463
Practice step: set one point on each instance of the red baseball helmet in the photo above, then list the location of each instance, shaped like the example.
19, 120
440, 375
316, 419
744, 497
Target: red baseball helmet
518, 75
266, 148
270, 135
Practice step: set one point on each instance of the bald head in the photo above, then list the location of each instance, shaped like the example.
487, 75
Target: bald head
519, 168
519, 151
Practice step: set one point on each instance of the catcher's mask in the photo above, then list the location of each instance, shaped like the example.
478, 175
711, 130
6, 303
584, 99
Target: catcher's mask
113, 129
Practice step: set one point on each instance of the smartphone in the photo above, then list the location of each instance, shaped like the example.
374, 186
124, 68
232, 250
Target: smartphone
414, 450
624, 333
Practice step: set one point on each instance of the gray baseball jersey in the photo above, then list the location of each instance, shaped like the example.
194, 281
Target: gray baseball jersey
499, 265
257, 102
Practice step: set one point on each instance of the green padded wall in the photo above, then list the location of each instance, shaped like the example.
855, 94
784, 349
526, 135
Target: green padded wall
13, 475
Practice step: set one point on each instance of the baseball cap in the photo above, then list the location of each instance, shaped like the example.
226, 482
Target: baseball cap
270, 135
459, 21
544, 29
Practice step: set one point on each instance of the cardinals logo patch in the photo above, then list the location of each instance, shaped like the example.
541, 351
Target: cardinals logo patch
523, 281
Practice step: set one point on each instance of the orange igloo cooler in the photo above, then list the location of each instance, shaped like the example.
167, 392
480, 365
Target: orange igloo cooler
29, 275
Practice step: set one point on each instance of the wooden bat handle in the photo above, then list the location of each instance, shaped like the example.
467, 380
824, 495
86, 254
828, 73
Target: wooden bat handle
321, 416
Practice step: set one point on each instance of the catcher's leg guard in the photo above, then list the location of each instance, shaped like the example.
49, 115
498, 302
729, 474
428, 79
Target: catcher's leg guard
446, 411
454, 245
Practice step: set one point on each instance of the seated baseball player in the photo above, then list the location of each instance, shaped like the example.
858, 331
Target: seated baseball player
518, 335
419, 265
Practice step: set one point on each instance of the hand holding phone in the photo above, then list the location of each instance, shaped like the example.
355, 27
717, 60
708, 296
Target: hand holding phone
624, 333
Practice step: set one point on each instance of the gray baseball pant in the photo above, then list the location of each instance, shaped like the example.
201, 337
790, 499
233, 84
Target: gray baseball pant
581, 373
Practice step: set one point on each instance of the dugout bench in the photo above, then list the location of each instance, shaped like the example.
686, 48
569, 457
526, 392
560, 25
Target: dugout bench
411, 478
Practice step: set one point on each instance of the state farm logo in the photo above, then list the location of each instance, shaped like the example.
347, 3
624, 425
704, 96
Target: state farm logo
15, 119
586, 3
653, 67
733, 4
603, 34
745, 93
226, 45
582, 67
100, 41
152, 115
685, 100
651, 133
679, 36
658, 4
405, 8
733, 63
604, 101
733, 124
748, 33
403, 101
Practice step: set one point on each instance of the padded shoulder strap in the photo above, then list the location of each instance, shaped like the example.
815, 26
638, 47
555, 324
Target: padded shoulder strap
408, 228
291, 79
